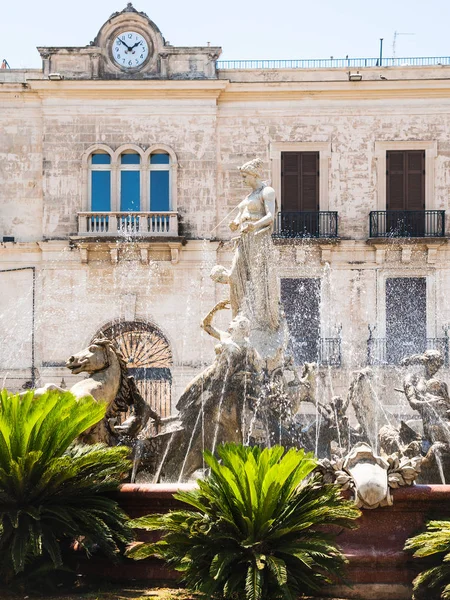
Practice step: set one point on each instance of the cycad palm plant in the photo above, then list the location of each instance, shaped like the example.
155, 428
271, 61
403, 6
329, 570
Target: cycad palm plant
52, 490
434, 582
256, 531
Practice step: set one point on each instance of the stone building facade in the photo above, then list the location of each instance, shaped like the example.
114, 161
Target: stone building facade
77, 260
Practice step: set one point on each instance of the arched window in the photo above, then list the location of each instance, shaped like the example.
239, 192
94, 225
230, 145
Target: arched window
160, 184
130, 182
100, 181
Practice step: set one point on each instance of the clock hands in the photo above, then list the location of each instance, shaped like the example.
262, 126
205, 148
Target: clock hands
128, 47
136, 44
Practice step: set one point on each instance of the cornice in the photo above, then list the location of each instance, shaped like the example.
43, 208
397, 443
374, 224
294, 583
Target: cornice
205, 88
363, 90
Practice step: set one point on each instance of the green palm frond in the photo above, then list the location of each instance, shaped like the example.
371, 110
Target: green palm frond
254, 531
52, 489
434, 582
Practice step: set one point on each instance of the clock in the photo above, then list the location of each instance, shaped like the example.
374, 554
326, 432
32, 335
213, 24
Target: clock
129, 50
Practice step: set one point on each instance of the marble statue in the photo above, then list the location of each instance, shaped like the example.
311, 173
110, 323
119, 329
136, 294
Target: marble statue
252, 277
251, 391
108, 381
212, 408
429, 396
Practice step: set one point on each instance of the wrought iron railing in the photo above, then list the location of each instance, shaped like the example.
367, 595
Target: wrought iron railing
333, 63
324, 351
128, 223
309, 224
407, 223
385, 351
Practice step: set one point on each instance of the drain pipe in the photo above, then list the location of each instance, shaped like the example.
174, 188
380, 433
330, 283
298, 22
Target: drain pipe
33, 356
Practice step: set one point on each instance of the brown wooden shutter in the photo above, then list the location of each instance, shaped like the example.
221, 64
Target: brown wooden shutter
405, 180
310, 180
299, 181
290, 181
395, 180
415, 180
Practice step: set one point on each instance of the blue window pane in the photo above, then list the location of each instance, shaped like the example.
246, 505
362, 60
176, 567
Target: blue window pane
130, 190
101, 191
159, 190
159, 159
130, 159
101, 159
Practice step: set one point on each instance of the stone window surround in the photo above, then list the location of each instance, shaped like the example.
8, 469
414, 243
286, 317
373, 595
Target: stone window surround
430, 148
145, 169
431, 317
324, 149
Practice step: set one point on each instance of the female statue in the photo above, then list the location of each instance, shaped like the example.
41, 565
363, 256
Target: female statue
252, 279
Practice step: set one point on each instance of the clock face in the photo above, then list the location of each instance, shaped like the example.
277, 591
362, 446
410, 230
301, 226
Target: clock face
129, 49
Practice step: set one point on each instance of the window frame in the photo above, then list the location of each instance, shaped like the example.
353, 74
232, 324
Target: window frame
115, 167
382, 147
431, 316
160, 167
324, 150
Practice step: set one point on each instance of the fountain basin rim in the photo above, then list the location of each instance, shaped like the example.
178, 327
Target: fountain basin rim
419, 492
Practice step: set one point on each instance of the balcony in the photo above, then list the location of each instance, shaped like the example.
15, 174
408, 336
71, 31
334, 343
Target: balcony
128, 224
307, 224
407, 223
382, 351
323, 351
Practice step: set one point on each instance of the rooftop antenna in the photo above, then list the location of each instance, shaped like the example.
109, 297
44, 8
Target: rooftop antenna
394, 42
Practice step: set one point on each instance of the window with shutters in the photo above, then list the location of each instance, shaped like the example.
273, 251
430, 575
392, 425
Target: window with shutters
299, 181
405, 175
301, 303
405, 180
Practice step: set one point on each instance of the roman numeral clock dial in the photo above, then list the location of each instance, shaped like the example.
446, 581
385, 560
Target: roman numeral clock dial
129, 50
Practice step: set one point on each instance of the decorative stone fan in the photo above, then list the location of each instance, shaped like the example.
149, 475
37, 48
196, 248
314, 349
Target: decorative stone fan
141, 344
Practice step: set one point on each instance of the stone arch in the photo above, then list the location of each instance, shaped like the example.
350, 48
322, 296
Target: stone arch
126, 147
149, 357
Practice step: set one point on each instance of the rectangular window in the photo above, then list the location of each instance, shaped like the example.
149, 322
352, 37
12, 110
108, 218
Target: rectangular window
159, 191
406, 317
405, 179
299, 181
301, 303
101, 191
130, 191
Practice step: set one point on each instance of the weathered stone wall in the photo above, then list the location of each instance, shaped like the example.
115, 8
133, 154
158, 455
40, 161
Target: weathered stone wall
47, 127
20, 165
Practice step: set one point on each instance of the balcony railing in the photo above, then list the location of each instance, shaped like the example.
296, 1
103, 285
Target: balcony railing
382, 351
333, 63
324, 351
309, 224
407, 223
126, 224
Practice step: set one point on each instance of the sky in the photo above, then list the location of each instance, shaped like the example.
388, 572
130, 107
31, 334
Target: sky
252, 29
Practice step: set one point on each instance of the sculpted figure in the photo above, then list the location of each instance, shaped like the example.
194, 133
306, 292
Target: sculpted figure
231, 356
108, 381
252, 280
214, 400
429, 395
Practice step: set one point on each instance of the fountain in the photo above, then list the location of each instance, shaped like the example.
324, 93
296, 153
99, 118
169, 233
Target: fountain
253, 393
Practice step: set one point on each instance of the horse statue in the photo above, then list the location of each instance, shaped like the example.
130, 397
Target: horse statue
108, 381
